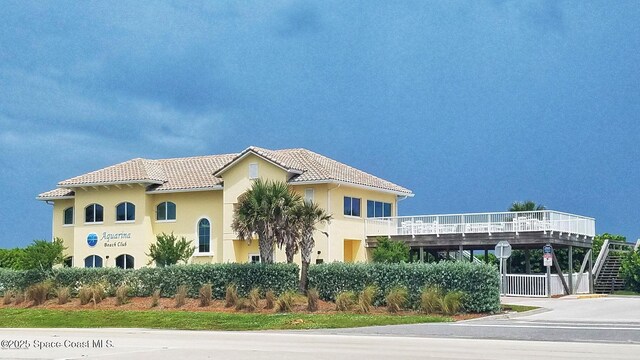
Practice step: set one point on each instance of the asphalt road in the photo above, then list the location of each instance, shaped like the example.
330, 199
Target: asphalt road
568, 328
158, 345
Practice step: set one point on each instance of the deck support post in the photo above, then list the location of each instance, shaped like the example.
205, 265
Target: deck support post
591, 271
471, 255
460, 255
570, 270
421, 254
486, 256
559, 271
527, 261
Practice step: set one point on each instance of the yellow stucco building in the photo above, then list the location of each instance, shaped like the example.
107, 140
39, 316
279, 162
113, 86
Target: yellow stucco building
109, 217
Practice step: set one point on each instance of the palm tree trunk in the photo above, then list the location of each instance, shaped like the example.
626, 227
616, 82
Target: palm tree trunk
303, 277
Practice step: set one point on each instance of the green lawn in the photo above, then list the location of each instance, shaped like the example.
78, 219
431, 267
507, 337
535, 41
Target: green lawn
625, 292
185, 320
517, 308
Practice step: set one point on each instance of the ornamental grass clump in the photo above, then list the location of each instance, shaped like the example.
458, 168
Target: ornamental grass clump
206, 294
312, 300
451, 303
285, 302
155, 298
38, 293
254, 299
63, 294
19, 297
231, 296
241, 304
430, 300
181, 295
98, 293
122, 294
84, 294
345, 300
365, 299
8, 296
270, 299
396, 299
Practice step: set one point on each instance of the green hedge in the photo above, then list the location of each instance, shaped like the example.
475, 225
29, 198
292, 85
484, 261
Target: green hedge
144, 281
480, 282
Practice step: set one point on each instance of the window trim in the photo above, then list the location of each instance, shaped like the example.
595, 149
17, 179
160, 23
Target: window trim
126, 212
351, 207
198, 252
94, 214
166, 212
254, 254
313, 194
64, 216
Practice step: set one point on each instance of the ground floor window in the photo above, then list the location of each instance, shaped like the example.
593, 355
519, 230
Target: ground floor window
204, 236
93, 261
254, 258
125, 261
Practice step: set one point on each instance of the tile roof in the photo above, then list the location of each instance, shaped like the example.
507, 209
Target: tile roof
193, 173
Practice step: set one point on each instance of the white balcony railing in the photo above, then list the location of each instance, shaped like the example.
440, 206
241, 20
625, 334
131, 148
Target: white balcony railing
488, 223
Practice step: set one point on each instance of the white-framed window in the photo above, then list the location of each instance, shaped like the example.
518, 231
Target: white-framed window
308, 195
254, 258
125, 261
166, 211
93, 261
253, 171
204, 236
378, 209
68, 216
125, 211
93, 213
351, 206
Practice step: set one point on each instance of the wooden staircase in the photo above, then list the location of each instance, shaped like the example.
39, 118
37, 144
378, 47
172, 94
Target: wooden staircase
609, 279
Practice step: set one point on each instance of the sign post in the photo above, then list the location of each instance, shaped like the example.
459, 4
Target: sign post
547, 256
502, 251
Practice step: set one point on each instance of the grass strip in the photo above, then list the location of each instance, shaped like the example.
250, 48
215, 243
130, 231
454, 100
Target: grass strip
518, 308
185, 320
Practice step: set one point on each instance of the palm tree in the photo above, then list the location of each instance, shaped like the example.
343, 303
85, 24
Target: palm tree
307, 216
518, 206
264, 210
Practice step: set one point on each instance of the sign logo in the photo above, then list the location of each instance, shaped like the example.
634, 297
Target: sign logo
92, 239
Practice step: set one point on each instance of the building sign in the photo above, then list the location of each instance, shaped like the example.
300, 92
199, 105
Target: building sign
92, 239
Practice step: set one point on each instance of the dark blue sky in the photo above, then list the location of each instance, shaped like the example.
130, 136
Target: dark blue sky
472, 105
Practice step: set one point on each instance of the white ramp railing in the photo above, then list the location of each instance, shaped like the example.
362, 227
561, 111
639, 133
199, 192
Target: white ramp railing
535, 285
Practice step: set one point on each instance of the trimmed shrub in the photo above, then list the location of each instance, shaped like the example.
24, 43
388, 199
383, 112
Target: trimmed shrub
122, 294
254, 299
365, 299
63, 294
396, 299
430, 300
231, 297
270, 298
205, 295
181, 295
155, 298
285, 301
312, 300
38, 293
345, 300
480, 282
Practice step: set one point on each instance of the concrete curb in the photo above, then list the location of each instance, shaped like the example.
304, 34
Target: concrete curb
507, 316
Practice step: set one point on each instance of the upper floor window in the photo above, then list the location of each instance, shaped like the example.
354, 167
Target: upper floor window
378, 209
308, 195
204, 236
253, 171
125, 211
166, 211
125, 261
68, 216
351, 206
93, 261
93, 213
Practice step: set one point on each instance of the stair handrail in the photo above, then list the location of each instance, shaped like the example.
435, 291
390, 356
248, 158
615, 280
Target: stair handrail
604, 252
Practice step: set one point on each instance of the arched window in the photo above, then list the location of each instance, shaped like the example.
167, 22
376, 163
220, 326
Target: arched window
93, 261
125, 211
125, 261
204, 236
93, 213
68, 216
166, 211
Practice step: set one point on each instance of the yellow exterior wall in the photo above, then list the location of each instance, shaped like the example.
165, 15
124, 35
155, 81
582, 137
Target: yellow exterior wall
346, 240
